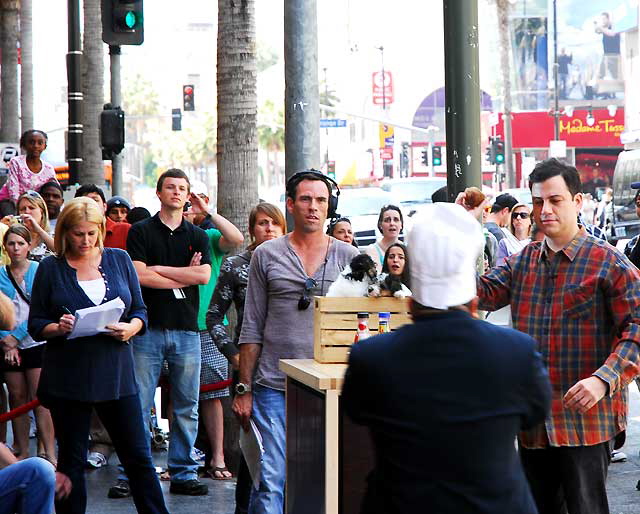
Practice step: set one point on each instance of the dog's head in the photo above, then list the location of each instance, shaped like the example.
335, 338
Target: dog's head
392, 283
362, 267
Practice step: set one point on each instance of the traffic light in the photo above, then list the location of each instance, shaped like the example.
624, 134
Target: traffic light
436, 155
111, 130
491, 156
498, 150
122, 22
331, 169
425, 157
176, 119
188, 103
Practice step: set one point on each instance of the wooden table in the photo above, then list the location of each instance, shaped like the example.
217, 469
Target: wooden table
328, 457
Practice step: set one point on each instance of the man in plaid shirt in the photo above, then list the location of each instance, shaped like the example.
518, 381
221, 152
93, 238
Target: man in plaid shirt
580, 299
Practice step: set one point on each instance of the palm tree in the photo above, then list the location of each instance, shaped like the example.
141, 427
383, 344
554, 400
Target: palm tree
237, 147
504, 29
10, 129
93, 91
26, 69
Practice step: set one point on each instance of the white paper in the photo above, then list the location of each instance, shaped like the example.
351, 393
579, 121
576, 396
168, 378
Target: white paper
94, 320
252, 449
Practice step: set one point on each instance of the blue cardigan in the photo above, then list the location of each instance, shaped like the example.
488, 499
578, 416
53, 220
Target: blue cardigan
20, 332
87, 369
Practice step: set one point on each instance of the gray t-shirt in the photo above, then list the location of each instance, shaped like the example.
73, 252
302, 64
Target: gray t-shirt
271, 315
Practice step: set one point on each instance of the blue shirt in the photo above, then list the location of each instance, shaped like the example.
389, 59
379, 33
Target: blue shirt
87, 369
20, 332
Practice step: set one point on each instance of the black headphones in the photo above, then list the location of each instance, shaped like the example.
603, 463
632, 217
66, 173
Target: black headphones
299, 176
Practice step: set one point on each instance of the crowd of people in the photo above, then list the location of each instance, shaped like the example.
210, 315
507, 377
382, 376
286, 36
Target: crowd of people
573, 298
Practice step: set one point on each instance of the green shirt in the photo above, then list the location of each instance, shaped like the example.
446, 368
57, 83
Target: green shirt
206, 290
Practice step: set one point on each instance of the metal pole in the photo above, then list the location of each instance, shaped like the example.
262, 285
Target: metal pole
556, 108
462, 92
326, 99
301, 95
116, 99
384, 88
74, 87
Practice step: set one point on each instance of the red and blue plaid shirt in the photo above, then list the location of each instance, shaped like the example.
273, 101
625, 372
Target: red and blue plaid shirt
582, 305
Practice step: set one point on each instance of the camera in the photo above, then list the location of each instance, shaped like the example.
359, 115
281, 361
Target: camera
187, 206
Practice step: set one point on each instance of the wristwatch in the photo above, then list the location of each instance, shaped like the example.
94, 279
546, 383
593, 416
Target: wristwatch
242, 388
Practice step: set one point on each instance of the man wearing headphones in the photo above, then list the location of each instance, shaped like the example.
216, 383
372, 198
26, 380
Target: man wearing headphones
286, 273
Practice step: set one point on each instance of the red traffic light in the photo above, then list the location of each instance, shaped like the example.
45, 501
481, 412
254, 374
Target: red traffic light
188, 90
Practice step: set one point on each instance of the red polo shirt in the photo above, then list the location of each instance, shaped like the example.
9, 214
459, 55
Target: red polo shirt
116, 235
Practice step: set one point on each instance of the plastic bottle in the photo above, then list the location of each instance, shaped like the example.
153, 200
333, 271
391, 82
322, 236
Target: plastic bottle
363, 327
383, 322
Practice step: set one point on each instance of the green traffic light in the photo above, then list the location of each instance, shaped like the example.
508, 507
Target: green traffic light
437, 162
130, 19
499, 158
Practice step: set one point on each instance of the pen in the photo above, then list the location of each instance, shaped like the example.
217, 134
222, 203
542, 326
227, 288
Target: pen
67, 310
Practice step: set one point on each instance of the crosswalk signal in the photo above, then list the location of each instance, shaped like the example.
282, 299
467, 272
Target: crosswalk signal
188, 103
122, 22
436, 155
176, 119
498, 150
425, 157
111, 130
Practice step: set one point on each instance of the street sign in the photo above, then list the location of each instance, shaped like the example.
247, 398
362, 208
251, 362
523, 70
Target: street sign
332, 123
386, 154
382, 89
386, 135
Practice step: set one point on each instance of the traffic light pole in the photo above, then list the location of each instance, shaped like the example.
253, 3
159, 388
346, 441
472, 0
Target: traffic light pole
462, 93
116, 99
74, 87
301, 94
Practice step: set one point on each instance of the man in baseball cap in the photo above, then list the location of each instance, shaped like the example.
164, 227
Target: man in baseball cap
448, 388
117, 209
499, 215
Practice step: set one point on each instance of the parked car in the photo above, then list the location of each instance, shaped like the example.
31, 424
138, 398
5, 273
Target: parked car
522, 194
362, 206
622, 222
412, 193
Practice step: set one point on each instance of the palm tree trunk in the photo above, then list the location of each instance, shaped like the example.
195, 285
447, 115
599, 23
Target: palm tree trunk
237, 142
505, 65
93, 91
10, 129
237, 139
26, 70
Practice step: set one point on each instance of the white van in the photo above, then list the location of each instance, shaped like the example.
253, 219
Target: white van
625, 223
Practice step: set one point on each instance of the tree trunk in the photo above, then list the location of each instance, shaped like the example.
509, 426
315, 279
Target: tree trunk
504, 28
93, 91
237, 138
237, 142
10, 129
26, 70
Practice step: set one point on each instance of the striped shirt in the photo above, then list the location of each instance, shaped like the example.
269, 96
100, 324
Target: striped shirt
582, 305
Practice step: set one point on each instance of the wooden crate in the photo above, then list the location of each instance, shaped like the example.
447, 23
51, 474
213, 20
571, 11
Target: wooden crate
336, 320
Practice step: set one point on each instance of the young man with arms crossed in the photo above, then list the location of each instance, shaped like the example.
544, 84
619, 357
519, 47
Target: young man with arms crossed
171, 257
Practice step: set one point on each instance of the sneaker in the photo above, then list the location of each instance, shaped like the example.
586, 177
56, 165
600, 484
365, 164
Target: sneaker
189, 487
617, 456
96, 460
120, 490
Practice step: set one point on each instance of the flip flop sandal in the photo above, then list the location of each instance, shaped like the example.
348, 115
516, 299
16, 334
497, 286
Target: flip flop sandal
211, 473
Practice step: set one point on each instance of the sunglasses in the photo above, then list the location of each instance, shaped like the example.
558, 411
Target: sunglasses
521, 215
305, 299
32, 193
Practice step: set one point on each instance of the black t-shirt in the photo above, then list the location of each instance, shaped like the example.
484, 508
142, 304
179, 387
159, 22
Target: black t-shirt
611, 44
152, 242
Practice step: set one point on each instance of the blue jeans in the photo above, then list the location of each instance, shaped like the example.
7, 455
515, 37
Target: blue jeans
123, 420
27, 487
181, 350
269, 416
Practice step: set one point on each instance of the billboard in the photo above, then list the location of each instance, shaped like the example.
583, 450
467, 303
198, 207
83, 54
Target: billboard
589, 40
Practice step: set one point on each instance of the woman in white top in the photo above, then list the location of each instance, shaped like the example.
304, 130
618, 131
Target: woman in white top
390, 223
519, 234
22, 355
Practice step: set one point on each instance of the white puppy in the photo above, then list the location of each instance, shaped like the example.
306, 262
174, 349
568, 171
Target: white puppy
355, 279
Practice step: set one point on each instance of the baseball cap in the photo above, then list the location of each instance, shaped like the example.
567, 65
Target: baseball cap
445, 243
117, 201
505, 200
